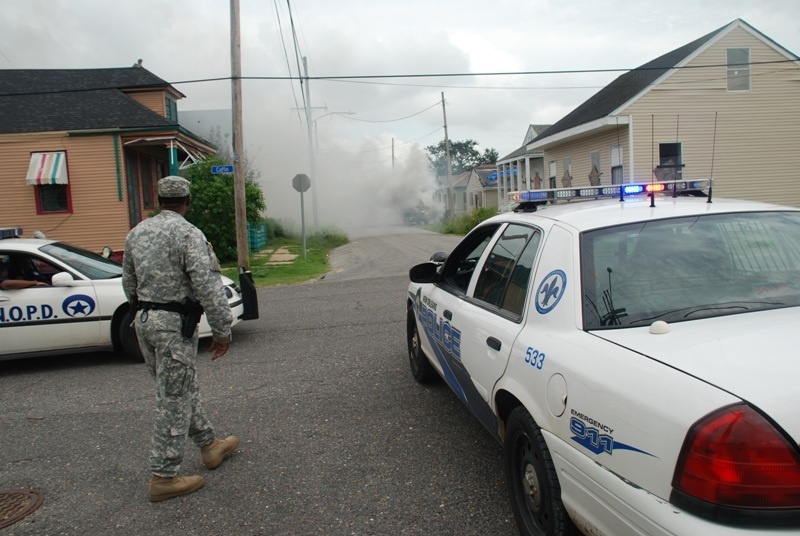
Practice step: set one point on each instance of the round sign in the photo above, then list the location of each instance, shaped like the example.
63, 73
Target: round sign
301, 182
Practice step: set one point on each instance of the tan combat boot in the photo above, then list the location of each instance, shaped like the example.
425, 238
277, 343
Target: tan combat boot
217, 450
165, 487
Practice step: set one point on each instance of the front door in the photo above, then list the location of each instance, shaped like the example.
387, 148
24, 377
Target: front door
134, 205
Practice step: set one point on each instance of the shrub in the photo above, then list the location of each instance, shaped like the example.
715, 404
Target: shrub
463, 224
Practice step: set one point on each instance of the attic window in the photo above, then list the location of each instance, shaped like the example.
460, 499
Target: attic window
738, 69
172, 110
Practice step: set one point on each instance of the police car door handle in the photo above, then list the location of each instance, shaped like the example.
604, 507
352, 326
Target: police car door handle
494, 344
448, 315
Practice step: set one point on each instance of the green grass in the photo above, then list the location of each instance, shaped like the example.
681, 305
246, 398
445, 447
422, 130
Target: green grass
461, 225
315, 265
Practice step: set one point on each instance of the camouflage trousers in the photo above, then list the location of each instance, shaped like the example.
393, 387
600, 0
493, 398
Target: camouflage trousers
171, 360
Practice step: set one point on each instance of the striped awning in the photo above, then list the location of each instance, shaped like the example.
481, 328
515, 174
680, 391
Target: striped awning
48, 168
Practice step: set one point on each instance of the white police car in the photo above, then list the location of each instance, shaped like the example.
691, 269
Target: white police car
82, 309
636, 356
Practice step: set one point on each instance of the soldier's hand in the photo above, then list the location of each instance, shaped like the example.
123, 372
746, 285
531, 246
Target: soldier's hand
219, 349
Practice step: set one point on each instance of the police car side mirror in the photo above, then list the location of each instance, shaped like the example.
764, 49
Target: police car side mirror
62, 279
424, 273
107, 252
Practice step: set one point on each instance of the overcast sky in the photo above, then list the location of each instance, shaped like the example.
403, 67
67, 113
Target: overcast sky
189, 40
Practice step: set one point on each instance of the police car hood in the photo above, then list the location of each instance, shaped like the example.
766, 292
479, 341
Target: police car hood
753, 356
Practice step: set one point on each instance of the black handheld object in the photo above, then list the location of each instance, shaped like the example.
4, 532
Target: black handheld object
190, 317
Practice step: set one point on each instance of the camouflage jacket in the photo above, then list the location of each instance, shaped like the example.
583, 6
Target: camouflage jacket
168, 259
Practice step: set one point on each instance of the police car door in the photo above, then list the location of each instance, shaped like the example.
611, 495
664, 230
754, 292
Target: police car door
478, 309
39, 319
492, 314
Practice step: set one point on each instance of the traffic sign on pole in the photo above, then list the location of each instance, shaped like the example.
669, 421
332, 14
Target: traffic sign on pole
219, 170
301, 182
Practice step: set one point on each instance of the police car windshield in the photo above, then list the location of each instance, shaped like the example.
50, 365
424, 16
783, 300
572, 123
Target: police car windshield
85, 262
687, 268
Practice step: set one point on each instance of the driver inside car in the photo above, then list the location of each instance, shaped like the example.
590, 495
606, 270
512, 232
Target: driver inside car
8, 283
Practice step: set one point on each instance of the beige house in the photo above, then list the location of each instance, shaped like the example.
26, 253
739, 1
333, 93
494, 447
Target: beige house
82, 151
482, 188
453, 191
725, 106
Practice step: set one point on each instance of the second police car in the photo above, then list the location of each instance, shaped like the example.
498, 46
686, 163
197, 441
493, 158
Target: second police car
82, 308
636, 357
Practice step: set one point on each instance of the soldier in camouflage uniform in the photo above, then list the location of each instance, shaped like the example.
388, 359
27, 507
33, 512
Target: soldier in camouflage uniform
167, 259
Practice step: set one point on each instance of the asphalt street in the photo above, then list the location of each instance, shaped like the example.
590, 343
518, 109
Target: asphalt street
337, 437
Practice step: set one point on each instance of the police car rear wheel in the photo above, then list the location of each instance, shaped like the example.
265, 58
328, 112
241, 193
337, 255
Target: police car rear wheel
532, 479
421, 369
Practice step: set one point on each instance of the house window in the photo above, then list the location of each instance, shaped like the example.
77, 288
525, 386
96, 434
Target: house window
617, 171
738, 69
552, 174
172, 110
53, 198
48, 174
670, 166
595, 162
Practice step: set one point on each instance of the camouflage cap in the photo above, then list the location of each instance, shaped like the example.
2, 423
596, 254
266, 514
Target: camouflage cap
173, 186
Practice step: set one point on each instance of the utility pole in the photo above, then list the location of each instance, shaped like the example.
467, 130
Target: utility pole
242, 245
311, 157
451, 209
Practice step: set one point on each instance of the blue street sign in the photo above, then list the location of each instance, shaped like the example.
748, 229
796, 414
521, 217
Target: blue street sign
217, 170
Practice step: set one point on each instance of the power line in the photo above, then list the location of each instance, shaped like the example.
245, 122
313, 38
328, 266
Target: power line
285, 53
361, 78
392, 120
507, 73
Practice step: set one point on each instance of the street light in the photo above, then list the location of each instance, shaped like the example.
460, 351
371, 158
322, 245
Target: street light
316, 150
314, 122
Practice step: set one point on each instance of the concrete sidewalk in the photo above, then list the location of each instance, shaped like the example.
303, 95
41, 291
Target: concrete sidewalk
276, 257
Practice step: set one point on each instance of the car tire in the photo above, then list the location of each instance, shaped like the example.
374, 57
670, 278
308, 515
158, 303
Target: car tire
532, 479
421, 368
126, 335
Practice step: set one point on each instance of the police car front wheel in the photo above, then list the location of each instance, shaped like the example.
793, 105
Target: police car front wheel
532, 479
126, 335
421, 368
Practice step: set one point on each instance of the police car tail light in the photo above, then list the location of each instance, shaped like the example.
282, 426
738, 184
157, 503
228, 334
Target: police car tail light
736, 458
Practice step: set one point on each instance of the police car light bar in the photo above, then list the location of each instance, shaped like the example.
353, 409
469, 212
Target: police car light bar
621, 191
11, 232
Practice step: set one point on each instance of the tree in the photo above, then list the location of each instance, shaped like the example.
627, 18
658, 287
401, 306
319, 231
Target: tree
213, 209
463, 156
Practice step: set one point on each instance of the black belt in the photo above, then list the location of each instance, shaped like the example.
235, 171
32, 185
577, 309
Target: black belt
155, 306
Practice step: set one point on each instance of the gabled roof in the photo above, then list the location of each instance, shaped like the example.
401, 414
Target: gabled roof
461, 180
629, 85
531, 134
483, 176
42, 100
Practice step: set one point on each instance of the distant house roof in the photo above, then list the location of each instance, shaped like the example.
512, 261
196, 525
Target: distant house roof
42, 100
483, 176
532, 132
630, 84
460, 180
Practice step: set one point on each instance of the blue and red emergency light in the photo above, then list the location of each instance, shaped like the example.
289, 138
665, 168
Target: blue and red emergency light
10, 232
621, 191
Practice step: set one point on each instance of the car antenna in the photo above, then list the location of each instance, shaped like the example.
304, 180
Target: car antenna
713, 149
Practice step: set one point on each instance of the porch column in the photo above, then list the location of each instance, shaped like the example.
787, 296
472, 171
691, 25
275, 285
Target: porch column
527, 172
173, 159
